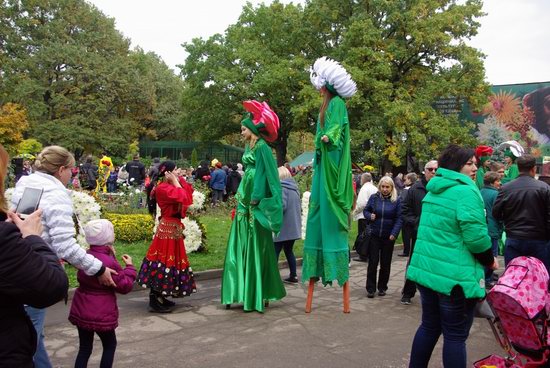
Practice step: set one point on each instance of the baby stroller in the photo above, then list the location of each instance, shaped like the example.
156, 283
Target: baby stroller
519, 302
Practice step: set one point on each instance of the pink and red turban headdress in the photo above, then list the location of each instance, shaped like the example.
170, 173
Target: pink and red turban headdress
263, 120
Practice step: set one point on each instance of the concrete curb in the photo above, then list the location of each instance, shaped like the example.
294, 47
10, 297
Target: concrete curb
209, 274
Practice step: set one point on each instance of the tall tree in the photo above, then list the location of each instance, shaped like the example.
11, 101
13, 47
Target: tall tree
155, 96
82, 87
263, 57
404, 56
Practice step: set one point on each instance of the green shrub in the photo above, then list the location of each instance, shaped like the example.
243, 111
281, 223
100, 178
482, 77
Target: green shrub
131, 227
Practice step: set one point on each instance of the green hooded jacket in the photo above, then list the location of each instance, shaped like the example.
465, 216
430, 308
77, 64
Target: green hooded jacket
452, 227
489, 195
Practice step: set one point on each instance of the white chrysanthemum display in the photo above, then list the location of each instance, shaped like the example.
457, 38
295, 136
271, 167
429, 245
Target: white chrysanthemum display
327, 71
305, 210
86, 209
193, 235
198, 201
8, 194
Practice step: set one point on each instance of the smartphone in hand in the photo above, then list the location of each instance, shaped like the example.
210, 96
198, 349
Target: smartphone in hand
29, 202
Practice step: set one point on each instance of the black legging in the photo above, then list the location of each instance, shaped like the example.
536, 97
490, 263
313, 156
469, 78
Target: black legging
86, 337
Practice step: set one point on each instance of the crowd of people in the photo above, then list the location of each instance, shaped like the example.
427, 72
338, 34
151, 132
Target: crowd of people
452, 219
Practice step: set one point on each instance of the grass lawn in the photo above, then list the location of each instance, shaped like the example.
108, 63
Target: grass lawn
217, 222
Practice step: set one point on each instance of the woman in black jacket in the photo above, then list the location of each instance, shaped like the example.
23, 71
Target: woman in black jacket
30, 274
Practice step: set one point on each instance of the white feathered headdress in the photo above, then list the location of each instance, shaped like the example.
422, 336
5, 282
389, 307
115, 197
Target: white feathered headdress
516, 149
329, 73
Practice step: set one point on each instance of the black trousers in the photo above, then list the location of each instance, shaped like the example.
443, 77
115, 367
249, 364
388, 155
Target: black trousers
361, 225
409, 289
380, 250
86, 337
407, 232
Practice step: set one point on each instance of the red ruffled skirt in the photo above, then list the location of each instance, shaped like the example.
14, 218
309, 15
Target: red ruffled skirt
165, 268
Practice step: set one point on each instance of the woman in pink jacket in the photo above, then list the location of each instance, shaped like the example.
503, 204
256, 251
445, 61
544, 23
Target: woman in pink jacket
94, 308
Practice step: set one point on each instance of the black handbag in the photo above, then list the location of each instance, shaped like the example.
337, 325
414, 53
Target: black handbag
361, 245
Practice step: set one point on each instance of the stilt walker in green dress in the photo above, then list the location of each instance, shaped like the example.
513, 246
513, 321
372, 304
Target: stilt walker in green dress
251, 273
512, 150
326, 249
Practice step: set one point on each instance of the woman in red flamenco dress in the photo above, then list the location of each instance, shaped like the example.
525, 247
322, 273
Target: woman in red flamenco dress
165, 269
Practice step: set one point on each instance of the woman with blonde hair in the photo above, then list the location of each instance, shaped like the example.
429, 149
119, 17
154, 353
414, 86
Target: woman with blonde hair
383, 210
53, 171
291, 230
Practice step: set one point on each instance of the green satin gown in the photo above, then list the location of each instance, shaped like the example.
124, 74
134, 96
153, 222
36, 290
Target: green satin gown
326, 248
510, 173
250, 273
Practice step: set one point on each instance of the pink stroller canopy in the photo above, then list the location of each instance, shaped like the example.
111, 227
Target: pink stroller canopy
523, 288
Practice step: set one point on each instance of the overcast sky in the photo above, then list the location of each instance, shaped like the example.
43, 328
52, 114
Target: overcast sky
515, 34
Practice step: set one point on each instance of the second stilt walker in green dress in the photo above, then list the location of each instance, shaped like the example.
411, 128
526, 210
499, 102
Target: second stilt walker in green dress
326, 249
251, 273
512, 150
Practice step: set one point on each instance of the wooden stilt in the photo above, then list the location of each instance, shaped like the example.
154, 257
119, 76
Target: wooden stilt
346, 297
309, 299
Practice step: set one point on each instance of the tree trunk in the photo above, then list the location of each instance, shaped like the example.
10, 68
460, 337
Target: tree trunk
386, 166
280, 150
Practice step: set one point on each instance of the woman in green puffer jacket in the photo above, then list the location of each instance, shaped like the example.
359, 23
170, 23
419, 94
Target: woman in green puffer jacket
451, 249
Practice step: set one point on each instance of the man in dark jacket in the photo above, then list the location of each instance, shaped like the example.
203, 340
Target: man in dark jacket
30, 274
154, 169
524, 206
88, 174
233, 181
412, 209
203, 172
136, 171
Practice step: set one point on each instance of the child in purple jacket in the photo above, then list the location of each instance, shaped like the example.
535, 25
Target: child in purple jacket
94, 308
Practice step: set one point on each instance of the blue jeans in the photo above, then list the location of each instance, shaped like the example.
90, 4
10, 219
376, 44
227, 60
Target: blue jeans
289, 254
453, 315
530, 248
37, 317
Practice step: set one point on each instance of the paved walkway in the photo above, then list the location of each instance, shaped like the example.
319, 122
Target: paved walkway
201, 333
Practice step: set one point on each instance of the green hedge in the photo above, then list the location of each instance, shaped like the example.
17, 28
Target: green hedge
131, 227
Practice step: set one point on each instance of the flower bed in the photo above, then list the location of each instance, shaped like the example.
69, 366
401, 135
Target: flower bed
131, 227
